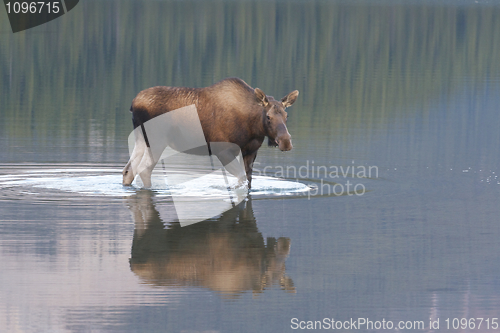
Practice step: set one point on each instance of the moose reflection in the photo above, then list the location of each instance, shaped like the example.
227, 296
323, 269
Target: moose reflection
226, 254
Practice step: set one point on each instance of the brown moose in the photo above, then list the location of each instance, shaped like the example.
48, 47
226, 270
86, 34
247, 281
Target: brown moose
229, 111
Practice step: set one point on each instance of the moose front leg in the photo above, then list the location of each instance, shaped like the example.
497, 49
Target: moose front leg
249, 159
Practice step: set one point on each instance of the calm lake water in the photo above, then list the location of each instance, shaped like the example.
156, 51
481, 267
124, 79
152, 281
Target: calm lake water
407, 90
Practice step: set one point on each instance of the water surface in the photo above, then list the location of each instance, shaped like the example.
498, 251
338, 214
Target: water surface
407, 88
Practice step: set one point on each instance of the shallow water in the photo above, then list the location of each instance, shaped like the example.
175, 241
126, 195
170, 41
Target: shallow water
106, 182
386, 208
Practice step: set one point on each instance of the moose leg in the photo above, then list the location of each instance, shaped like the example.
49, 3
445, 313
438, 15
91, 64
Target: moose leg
228, 154
127, 173
130, 169
249, 159
146, 167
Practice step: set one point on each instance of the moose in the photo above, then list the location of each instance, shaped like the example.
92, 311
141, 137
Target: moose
229, 111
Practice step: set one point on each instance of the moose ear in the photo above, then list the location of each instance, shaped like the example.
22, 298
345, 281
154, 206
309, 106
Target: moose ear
289, 99
261, 97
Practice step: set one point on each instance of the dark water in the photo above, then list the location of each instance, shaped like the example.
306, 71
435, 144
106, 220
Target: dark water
407, 90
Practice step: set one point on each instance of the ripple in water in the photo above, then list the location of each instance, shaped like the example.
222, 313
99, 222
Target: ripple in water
48, 184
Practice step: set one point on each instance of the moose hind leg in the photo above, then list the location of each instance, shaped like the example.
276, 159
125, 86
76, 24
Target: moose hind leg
128, 174
131, 168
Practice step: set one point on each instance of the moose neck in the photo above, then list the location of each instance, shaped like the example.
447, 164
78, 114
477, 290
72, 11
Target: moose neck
260, 129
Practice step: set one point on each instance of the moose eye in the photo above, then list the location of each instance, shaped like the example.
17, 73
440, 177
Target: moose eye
268, 118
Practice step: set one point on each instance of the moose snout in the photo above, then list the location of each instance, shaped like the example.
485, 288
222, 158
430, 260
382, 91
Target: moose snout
283, 139
285, 142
